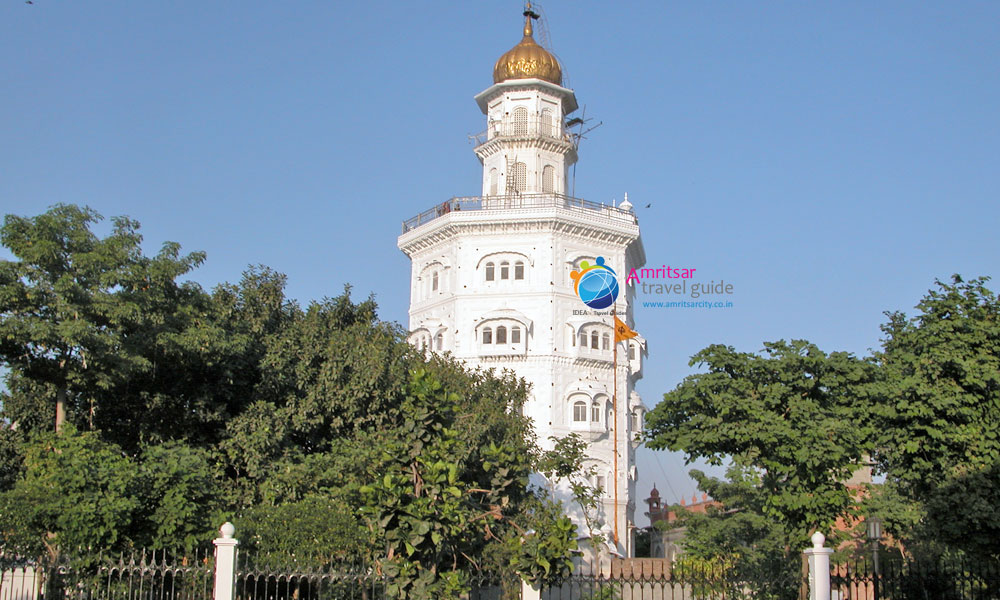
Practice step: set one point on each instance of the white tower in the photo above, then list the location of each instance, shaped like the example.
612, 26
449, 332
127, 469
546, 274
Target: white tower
490, 278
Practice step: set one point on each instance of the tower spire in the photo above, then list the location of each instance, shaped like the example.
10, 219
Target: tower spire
528, 16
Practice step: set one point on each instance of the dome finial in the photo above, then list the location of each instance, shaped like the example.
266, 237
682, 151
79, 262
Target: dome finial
528, 16
528, 60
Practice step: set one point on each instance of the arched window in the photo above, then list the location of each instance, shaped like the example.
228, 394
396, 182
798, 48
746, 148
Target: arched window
489, 271
520, 177
631, 351
548, 178
600, 482
594, 340
583, 339
434, 282
520, 121
595, 412
493, 182
635, 420
580, 411
546, 122
519, 270
605, 342
439, 341
501, 335
515, 335
505, 270
487, 336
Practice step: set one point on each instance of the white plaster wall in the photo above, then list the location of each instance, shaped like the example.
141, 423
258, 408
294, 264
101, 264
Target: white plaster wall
551, 239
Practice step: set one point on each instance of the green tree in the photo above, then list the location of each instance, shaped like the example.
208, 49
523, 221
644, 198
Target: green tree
82, 315
11, 455
436, 505
939, 418
736, 543
925, 409
789, 417
177, 486
77, 491
239, 404
335, 533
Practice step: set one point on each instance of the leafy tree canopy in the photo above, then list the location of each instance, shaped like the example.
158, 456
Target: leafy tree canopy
319, 431
939, 416
795, 422
788, 415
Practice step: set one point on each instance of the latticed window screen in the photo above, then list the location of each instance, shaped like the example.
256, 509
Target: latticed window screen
515, 335
548, 178
519, 121
487, 336
501, 335
546, 122
519, 177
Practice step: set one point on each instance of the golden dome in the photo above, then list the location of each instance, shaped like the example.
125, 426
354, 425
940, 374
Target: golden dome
527, 60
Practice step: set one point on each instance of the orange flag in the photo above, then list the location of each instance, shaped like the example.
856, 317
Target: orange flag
622, 332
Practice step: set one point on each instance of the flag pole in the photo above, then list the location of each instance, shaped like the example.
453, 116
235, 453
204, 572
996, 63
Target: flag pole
614, 409
622, 333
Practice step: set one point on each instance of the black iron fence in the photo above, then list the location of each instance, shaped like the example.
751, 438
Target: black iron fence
163, 575
139, 575
938, 578
289, 580
284, 578
660, 580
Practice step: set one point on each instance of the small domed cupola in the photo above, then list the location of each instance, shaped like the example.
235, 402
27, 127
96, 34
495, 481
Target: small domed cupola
528, 60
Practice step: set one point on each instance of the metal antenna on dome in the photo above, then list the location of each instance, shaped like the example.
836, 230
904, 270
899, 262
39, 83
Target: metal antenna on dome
542, 35
578, 136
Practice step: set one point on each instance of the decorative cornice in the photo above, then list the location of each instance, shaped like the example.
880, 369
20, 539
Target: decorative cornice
568, 97
540, 142
490, 358
591, 227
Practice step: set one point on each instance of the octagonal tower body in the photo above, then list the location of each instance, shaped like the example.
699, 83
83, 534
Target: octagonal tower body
491, 283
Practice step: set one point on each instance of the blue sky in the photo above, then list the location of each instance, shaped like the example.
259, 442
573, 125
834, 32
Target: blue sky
830, 160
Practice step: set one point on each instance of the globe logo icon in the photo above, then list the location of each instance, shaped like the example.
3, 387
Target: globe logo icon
596, 285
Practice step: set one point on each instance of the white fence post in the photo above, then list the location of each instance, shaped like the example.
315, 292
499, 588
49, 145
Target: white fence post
529, 591
819, 568
225, 563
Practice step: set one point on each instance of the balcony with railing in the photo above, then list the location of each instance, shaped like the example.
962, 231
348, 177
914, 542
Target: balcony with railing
518, 202
523, 128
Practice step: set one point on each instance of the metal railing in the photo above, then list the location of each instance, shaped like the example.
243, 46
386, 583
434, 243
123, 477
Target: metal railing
516, 202
677, 583
523, 129
942, 578
138, 575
